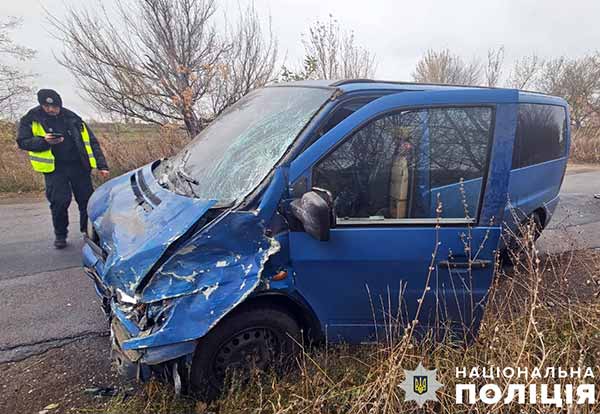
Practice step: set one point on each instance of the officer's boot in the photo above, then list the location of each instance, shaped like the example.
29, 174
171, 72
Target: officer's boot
60, 242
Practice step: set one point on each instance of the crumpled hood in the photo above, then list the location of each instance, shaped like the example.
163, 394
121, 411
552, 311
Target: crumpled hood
137, 220
212, 272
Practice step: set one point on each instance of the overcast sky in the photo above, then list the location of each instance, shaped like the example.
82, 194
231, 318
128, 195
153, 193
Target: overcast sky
396, 31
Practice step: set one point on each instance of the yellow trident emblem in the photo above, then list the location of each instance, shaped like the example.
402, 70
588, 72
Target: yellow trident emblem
420, 384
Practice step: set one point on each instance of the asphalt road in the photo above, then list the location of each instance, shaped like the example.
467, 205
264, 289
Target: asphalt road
47, 301
576, 221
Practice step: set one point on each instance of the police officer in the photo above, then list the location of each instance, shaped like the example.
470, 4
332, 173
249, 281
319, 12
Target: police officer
64, 149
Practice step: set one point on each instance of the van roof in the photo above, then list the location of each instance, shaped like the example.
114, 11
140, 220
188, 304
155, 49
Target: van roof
354, 85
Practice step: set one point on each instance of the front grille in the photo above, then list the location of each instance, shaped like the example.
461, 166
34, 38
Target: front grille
139, 198
154, 199
144, 197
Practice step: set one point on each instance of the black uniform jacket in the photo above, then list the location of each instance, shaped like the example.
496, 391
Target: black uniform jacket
73, 123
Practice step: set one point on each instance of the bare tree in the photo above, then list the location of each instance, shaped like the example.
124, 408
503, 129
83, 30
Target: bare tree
248, 64
493, 68
578, 81
552, 76
157, 60
525, 72
356, 62
446, 68
308, 71
15, 84
330, 52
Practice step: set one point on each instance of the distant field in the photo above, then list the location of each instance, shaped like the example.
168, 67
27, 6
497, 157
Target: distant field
128, 146
125, 146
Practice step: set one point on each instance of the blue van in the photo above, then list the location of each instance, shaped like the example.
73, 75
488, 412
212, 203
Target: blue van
319, 211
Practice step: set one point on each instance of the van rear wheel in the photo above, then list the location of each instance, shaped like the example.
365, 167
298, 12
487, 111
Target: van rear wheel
260, 339
532, 224
514, 250
536, 221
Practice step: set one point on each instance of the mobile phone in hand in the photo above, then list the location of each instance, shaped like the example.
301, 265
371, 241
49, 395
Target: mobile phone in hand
54, 138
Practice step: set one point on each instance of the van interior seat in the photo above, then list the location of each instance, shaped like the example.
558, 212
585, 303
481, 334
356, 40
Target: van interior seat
399, 182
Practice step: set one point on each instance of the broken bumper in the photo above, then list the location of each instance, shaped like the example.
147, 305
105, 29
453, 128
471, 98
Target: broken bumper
203, 281
139, 364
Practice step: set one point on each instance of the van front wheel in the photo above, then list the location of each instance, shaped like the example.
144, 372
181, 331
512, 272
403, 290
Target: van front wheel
250, 339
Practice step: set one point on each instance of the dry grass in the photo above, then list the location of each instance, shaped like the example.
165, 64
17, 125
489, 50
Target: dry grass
585, 145
16, 174
125, 146
544, 312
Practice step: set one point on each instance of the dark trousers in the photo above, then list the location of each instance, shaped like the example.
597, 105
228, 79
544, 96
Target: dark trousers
68, 179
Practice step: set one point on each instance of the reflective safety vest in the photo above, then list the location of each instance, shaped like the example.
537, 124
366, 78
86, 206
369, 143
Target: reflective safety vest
43, 161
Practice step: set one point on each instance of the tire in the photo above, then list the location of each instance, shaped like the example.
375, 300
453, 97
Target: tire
506, 257
260, 338
538, 226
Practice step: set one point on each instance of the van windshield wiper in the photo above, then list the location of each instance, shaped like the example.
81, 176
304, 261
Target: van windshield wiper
181, 173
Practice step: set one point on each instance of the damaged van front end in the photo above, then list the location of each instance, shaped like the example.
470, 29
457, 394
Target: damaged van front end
162, 290
170, 256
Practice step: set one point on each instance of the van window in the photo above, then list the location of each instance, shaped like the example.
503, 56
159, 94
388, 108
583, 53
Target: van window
540, 134
341, 112
397, 166
344, 111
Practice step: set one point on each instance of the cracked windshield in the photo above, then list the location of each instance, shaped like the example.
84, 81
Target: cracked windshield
235, 152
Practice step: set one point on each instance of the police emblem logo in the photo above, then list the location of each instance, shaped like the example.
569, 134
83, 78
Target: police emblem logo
420, 385
49, 100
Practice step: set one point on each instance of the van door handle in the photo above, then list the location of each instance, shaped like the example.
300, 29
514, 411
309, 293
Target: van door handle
473, 264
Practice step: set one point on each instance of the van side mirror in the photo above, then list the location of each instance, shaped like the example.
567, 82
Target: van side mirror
315, 211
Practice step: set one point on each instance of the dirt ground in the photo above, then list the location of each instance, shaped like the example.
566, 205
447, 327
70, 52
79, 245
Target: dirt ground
59, 378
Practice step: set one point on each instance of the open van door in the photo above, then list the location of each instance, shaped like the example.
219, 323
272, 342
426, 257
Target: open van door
419, 183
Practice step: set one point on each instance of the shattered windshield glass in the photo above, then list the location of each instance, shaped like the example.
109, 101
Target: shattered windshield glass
232, 155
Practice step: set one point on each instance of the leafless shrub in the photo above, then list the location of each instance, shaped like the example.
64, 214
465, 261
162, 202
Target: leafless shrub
447, 68
578, 82
249, 63
525, 72
492, 71
15, 83
160, 60
585, 145
332, 53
